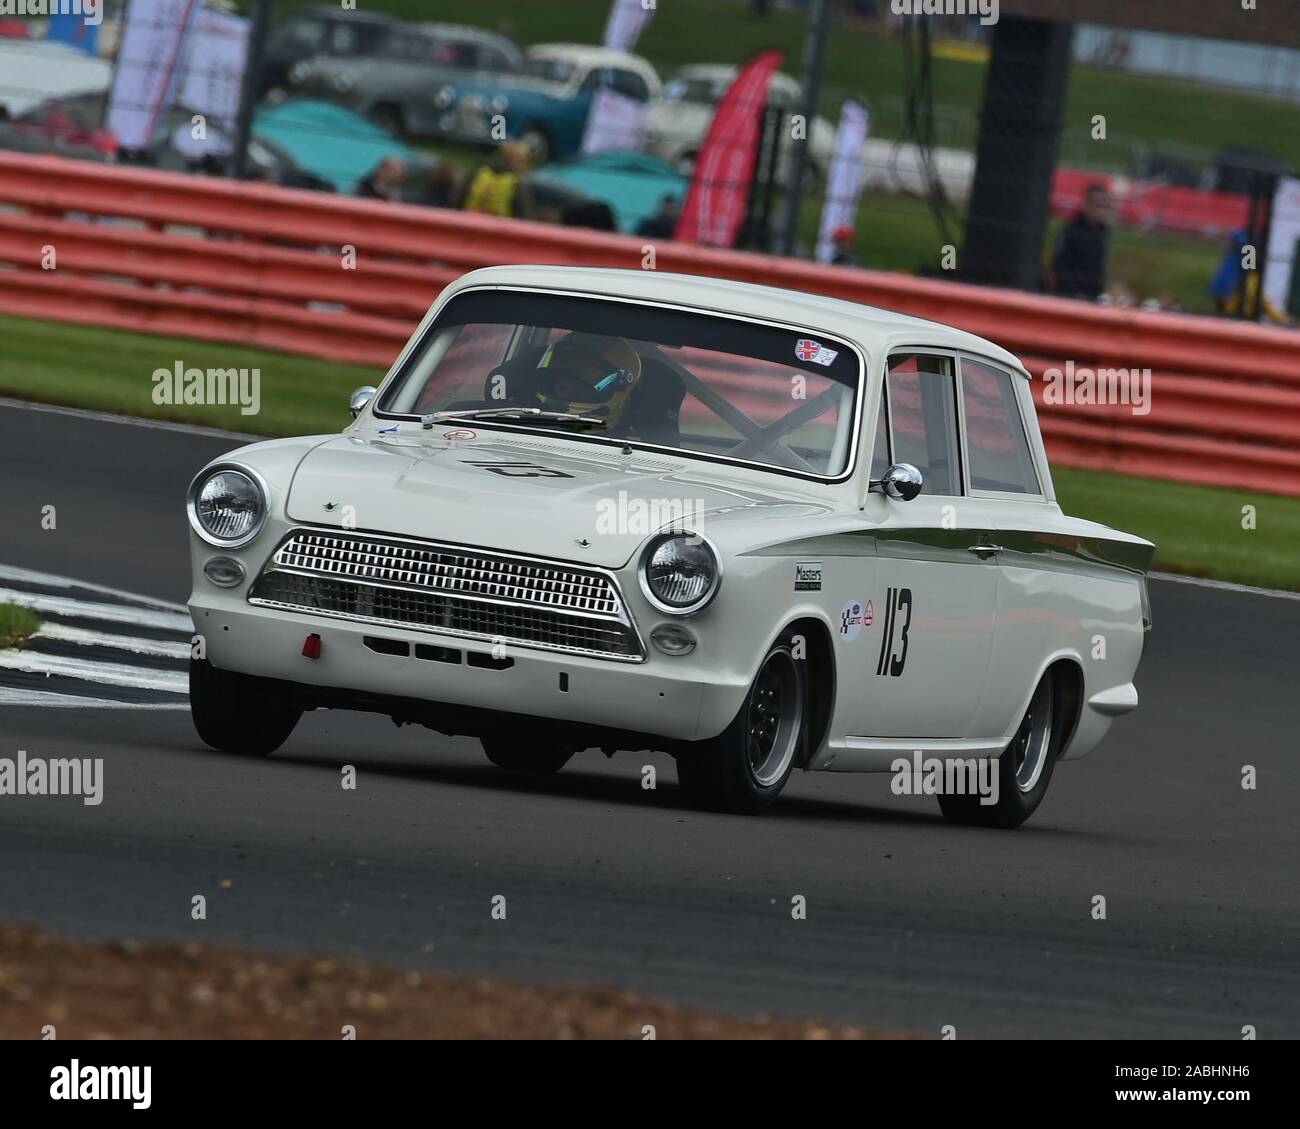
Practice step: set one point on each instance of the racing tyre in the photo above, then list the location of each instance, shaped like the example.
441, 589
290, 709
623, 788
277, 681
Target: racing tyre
522, 753
239, 713
1024, 769
744, 769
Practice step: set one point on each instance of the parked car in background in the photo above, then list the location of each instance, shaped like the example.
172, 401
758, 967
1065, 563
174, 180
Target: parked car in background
679, 121
66, 127
630, 184
336, 32
404, 91
546, 107
34, 72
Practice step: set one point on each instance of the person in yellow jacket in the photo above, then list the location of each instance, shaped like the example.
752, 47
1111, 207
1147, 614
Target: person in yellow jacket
1226, 287
496, 187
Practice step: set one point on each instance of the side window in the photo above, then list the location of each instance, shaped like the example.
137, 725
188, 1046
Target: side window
923, 419
996, 444
595, 79
630, 84
880, 459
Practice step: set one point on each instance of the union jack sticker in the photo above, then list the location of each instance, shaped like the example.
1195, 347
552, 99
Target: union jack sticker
814, 352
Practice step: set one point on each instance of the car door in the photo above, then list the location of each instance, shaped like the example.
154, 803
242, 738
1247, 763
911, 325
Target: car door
1039, 597
926, 628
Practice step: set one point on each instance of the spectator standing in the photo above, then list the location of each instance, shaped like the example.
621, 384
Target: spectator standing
385, 182
663, 223
496, 187
1078, 267
1226, 285
843, 242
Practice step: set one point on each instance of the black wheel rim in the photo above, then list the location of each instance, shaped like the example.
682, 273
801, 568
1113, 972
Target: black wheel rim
1032, 743
774, 718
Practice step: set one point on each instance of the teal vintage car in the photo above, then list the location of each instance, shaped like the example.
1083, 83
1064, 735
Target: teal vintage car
631, 184
544, 105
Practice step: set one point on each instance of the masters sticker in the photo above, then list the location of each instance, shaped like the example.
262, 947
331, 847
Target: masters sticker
808, 576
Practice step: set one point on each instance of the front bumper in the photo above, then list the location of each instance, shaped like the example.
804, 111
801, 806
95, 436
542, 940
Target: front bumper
662, 697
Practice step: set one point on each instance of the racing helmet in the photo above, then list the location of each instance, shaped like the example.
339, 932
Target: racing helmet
590, 374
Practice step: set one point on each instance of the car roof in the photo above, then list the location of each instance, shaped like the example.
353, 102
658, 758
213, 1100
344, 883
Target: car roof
586, 53
872, 327
465, 32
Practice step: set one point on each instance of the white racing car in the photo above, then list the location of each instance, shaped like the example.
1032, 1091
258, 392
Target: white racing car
756, 529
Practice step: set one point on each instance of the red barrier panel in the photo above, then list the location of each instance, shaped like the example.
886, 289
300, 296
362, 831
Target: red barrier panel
348, 279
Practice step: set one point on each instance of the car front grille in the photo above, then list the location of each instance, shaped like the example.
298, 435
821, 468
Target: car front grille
449, 589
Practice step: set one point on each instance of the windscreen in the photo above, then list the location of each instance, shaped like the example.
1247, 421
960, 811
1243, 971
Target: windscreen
717, 387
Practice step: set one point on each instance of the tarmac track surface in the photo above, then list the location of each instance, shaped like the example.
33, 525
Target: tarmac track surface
911, 924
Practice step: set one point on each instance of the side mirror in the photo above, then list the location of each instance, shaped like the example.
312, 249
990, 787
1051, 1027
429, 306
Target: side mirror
902, 482
360, 398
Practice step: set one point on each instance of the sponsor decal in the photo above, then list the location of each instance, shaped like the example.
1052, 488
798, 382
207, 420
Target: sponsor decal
521, 470
460, 433
808, 576
814, 352
390, 430
869, 616
851, 621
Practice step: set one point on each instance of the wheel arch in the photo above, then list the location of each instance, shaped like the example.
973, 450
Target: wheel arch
1068, 674
821, 674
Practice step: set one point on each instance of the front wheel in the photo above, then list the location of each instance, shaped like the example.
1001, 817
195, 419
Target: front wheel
239, 713
521, 753
744, 769
1024, 769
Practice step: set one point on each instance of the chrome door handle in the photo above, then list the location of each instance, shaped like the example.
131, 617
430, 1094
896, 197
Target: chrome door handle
983, 551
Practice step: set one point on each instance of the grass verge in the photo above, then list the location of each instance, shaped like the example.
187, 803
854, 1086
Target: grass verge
16, 624
1198, 530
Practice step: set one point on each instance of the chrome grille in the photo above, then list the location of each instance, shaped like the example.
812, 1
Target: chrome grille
448, 589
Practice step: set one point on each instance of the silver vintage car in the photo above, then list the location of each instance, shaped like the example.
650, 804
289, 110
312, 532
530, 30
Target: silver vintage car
756, 529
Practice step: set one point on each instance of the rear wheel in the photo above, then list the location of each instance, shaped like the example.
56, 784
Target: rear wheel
521, 753
239, 713
744, 769
1024, 769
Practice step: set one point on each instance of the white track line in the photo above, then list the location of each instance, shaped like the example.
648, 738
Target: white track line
27, 576
1225, 586
82, 638
130, 421
47, 698
89, 670
108, 613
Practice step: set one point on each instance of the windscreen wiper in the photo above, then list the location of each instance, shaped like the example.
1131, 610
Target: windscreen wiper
515, 415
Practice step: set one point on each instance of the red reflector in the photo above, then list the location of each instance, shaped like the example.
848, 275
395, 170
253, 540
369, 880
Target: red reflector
311, 647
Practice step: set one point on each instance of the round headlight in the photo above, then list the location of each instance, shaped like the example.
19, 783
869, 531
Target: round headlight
680, 573
227, 506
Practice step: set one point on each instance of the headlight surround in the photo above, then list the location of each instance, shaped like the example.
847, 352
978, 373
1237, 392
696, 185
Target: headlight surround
227, 505
680, 573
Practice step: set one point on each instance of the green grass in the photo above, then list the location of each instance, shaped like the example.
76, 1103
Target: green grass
16, 624
1197, 529
1148, 111
111, 371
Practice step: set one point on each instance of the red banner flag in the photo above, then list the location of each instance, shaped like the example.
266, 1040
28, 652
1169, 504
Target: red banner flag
719, 192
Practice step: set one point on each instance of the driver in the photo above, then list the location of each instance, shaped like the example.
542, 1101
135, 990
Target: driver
588, 374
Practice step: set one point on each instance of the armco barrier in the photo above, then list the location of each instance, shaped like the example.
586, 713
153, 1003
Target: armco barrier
259, 265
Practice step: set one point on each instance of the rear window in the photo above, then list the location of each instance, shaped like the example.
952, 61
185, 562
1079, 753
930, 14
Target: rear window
997, 448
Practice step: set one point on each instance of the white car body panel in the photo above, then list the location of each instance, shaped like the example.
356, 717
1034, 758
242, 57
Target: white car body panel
981, 631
